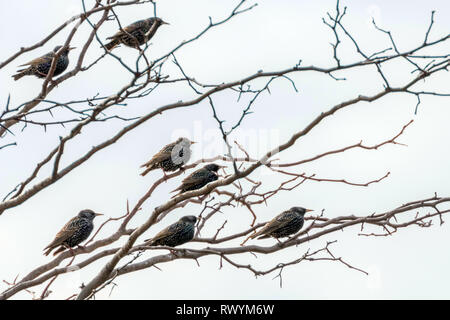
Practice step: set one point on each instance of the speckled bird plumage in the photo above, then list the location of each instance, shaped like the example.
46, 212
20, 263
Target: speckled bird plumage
136, 33
40, 67
170, 158
283, 225
74, 232
199, 178
176, 234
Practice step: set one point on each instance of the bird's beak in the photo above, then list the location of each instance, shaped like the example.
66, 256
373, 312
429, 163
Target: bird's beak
308, 210
192, 142
98, 214
163, 22
71, 48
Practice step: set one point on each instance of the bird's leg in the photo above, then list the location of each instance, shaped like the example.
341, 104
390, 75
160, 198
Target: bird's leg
137, 46
290, 238
43, 75
165, 176
53, 83
178, 252
71, 252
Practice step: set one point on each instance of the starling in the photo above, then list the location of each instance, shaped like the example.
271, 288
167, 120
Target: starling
283, 225
74, 232
136, 33
40, 67
171, 157
199, 178
176, 234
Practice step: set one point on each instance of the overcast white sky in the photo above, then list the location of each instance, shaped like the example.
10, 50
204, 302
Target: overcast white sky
413, 263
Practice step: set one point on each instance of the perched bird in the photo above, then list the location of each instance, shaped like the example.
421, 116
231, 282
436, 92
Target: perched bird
283, 225
199, 178
136, 33
40, 67
171, 157
74, 232
176, 234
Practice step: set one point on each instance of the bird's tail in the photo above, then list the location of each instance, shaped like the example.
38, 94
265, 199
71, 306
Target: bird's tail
61, 249
20, 74
46, 253
256, 234
150, 242
111, 45
177, 189
175, 194
146, 171
180, 189
253, 236
149, 166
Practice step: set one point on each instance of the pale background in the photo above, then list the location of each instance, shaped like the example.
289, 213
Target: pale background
413, 263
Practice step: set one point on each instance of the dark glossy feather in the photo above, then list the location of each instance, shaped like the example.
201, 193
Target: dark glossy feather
40, 67
283, 225
135, 34
170, 158
73, 233
198, 179
174, 235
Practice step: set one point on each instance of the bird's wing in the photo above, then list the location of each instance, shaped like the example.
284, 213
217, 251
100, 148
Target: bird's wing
165, 232
39, 60
163, 154
192, 179
194, 176
128, 29
65, 233
277, 222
